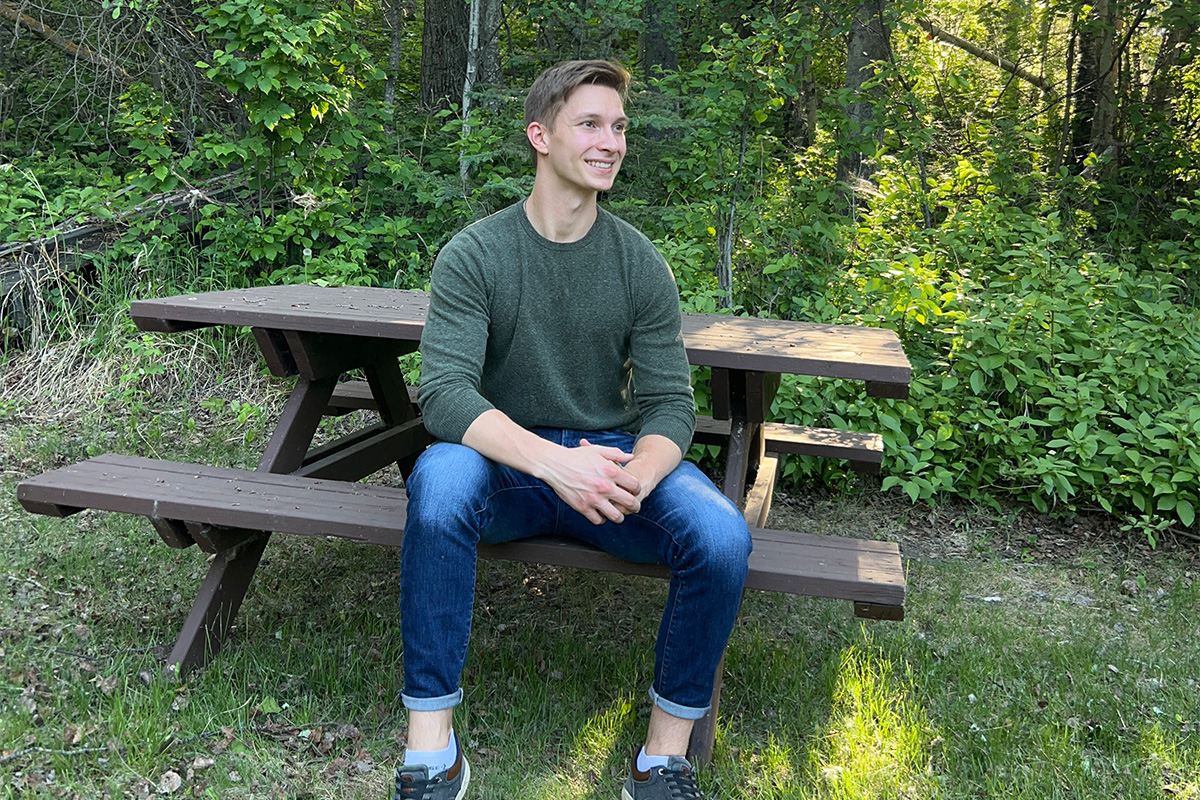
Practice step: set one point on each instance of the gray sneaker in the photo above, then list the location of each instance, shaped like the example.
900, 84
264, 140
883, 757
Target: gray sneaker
675, 781
415, 783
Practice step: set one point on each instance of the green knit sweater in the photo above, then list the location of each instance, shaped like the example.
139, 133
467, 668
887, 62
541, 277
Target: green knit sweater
582, 335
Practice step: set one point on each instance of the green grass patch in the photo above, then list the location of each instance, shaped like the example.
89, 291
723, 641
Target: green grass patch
1037, 660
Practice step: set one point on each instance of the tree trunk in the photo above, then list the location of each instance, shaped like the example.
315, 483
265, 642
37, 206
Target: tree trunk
1160, 93
1093, 123
443, 53
803, 128
393, 17
661, 37
868, 43
1104, 118
488, 69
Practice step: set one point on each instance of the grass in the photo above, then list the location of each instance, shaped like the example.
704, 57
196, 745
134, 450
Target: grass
1039, 659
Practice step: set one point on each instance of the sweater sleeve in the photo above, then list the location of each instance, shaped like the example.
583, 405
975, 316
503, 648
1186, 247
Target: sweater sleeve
661, 376
454, 342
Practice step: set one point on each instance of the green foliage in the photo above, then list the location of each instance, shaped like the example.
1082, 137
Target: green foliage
41, 195
1045, 372
1050, 316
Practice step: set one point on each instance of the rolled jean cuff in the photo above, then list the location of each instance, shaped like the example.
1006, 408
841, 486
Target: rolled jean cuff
432, 703
674, 709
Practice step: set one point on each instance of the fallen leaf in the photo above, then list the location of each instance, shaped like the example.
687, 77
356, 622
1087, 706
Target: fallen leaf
107, 685
170, 782
268, 705
336, 766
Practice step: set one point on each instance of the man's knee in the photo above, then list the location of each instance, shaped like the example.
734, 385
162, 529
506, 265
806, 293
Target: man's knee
726, 545
717, 535
447, 482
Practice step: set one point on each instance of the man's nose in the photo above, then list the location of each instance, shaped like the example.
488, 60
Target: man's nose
611, 139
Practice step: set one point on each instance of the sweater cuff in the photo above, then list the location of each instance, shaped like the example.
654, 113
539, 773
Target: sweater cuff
677, 431
452, 426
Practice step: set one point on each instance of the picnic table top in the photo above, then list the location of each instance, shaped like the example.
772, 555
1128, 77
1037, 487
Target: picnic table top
745, 343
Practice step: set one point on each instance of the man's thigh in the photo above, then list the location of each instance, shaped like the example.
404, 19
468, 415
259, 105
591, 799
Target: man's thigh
453, 484
684, 513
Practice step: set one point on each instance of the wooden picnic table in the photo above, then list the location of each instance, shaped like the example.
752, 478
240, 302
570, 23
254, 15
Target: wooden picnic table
319, 334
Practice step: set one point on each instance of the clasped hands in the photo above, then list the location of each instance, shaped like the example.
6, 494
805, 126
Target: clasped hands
602, 483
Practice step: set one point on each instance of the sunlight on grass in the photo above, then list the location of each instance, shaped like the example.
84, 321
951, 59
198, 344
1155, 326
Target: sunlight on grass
1166, 757
601, 734
878, 740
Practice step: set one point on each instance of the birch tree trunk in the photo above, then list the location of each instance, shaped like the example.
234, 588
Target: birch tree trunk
868, 44
393, 17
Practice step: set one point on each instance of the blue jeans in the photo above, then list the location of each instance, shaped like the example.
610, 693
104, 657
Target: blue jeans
458, 498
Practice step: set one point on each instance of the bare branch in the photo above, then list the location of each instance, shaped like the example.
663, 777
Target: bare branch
984, 55
66, 45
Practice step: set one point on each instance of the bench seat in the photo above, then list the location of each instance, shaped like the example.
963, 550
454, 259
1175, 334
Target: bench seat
172, 494
864, 451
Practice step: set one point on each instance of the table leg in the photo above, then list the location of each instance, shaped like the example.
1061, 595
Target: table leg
395, 407
232, 569
297, 424
215, 607
742, 397
704, 732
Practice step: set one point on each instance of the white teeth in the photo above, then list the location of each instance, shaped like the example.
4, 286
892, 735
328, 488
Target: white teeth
600, 164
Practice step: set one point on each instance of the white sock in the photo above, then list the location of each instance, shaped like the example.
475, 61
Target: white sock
645, 762
436, 760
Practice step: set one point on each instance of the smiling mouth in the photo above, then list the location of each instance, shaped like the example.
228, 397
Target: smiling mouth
600, 164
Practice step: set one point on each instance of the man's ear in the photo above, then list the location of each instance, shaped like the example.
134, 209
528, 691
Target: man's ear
536, 133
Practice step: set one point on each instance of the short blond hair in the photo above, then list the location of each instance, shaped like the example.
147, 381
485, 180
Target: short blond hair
551, 90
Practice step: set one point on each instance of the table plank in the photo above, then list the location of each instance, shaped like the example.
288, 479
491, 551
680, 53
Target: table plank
745, 343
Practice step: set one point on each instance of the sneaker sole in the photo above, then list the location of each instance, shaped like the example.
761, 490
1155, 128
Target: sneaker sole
625, 795
466, 776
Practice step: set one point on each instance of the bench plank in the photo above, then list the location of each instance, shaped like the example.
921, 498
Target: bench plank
863, 571
864, 451
221, 496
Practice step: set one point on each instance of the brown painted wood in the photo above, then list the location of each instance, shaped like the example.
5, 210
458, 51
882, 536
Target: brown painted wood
47, 509
350, 310
761, 389
704, 731
758, 499
357, 395
217, 603
823, 566
875, 611
326, 355
719, 394
769, 346
276, 352
863, 450
215, 539
288, 445
893, 391
173, 532
400, 443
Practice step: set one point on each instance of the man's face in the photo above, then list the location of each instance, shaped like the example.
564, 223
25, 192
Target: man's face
585, 149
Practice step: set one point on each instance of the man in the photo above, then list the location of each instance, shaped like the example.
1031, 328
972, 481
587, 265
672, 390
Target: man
555, 378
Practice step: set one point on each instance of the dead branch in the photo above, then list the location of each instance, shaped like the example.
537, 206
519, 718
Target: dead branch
66, 45
984, 55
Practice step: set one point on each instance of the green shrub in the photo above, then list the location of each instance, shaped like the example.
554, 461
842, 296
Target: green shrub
1043, 371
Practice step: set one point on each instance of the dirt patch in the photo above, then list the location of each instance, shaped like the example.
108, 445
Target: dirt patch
958, 531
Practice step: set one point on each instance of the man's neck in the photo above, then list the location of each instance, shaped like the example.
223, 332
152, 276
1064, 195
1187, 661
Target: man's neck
560, 216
